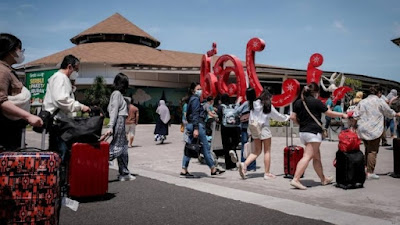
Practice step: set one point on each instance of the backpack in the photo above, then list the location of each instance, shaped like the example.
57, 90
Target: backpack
230, 118
349, 141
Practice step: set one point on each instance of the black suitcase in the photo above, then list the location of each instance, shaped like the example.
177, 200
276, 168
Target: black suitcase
396, 158
350, 169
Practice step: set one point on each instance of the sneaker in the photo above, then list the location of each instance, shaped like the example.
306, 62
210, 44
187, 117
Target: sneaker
269, 176
127, 177
298, 185
328, 180
242, 170
372, 176
217, 172
186, 175
234, 158
386, 145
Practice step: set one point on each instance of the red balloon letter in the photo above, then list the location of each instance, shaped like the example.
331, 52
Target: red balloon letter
255, 44
223, 72
208, 80
314, 74
291, 89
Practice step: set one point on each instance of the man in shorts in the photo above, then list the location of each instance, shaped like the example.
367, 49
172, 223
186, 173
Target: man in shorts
131, 121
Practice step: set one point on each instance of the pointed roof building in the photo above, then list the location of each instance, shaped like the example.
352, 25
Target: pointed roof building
116, 28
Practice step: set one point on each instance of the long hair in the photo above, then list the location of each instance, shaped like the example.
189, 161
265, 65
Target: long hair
121, 83
8, 43
251, 96
265, 98
309, 90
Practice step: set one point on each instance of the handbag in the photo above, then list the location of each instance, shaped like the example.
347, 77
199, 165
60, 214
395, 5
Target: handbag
244, 118
324, 130
255, 128
47, 119
192, 150
248, 148
349, 141
80, 129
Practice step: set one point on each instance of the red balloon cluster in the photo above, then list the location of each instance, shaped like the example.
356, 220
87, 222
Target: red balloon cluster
217, 82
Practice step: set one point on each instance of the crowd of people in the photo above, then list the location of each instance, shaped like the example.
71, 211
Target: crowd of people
250, 120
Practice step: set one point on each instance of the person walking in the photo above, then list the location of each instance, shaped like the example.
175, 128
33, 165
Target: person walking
370, 113
118, 111
11, 52
307, 113
131, 121
196, 129
244, 111
161, 130
229, 135
261, 111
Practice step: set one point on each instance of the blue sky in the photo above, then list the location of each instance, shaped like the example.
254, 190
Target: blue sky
353, 36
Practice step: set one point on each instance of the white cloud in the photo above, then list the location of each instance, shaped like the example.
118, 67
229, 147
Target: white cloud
27, 6
339, 26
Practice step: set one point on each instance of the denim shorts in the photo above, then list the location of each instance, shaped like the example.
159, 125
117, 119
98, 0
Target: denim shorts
306, 137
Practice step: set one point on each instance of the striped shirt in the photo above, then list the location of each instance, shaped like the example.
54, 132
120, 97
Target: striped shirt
370, 113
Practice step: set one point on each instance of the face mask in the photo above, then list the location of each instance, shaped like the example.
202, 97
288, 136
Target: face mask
198, 93
20, 57
74, 75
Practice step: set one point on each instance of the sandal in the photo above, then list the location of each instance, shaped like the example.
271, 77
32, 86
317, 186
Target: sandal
269, 176
327, 181
217, 172
242, 170
298, 185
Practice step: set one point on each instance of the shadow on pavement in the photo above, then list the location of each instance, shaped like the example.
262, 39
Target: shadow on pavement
106, 197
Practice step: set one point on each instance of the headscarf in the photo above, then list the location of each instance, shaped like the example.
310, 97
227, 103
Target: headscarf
163, 111
358, 98
392, 94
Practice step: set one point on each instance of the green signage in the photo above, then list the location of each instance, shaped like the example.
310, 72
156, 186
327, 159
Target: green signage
36, 82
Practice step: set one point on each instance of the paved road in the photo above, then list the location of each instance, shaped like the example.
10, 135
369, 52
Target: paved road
148, 201
377, 203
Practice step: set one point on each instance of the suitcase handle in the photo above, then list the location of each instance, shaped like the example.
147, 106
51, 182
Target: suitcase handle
30, 149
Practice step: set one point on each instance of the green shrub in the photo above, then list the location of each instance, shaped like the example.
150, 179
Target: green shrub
274, 123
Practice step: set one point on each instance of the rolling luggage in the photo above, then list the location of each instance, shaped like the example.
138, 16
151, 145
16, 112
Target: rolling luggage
88, 169
396, 158
29, 187
291, 155
350, 169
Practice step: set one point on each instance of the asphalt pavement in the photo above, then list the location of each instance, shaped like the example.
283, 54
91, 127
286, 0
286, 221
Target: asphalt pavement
158, 185
148, 201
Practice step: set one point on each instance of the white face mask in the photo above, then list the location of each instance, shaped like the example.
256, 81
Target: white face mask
20, 57
198, 92
74, 75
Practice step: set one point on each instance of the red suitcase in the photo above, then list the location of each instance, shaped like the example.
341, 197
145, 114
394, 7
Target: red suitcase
291, 156
88, 169
29, 187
